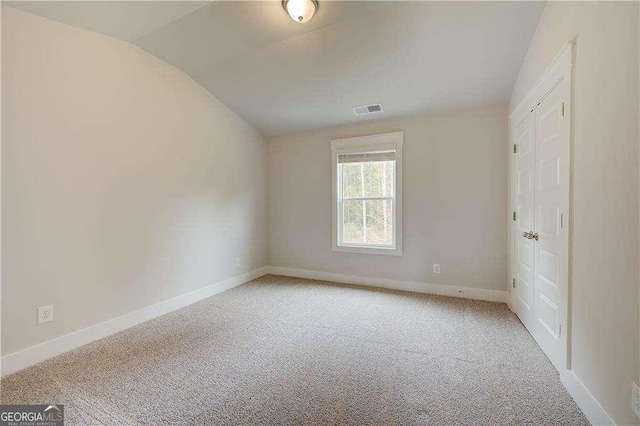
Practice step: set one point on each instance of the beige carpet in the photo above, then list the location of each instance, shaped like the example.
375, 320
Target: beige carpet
280, 351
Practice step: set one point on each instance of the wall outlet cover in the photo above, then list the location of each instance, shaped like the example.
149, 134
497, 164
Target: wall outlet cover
237, 262
635, 399
436, 268
45, 314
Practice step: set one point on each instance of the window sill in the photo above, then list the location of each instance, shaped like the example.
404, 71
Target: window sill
369, 250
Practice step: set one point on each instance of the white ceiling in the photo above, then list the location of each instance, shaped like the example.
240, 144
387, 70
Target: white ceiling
284, 77
126, 20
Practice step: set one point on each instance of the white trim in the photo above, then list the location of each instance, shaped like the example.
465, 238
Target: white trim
412, 286
394, 138
589, 405
386, 140
378, 251
559, 68
30, 356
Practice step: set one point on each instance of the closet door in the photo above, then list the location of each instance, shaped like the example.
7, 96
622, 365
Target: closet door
524, 205
551, 230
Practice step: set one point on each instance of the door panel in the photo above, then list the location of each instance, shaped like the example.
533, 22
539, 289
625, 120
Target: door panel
524, 201
551, 207
548, 315
525, 281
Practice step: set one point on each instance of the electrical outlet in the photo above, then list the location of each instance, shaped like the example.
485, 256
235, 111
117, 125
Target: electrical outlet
45, 314
237, 262
436, 268
635, 399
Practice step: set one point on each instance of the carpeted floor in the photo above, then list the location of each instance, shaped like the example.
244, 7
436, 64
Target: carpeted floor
281, 351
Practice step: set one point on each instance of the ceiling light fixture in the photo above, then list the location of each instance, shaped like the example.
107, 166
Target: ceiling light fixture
300, 10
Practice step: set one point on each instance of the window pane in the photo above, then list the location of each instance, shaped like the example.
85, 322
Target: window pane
390, 174
378, 179
379, 221
352, 226
373, 178
351, 180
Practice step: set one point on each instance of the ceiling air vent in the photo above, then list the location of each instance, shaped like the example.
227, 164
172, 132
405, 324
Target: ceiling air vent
367, 109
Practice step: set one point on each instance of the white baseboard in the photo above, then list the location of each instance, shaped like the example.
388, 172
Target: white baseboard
585, 400
30, 356
589, 405
418, 287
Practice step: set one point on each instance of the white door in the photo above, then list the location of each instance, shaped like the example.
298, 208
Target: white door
524, 202
551, 228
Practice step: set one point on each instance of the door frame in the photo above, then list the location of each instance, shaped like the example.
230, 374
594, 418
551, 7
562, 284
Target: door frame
560, 69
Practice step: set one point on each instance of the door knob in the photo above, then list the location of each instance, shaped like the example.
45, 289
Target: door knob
534, 235
530, 235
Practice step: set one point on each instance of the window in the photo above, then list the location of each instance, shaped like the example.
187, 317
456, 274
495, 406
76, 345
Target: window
367, 194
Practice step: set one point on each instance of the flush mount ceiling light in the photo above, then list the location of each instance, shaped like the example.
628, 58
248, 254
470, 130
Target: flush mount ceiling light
300, 10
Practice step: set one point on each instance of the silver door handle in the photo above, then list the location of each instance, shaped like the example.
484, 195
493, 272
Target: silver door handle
530, 235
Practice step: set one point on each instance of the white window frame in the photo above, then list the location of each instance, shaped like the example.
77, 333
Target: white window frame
363, 144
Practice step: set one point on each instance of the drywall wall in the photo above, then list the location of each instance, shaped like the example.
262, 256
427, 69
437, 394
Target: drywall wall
124, 182
454, 207
604, 303
1, 9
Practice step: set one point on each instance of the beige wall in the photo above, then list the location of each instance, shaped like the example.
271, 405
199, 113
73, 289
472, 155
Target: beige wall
454, 209
605, 190
124, 183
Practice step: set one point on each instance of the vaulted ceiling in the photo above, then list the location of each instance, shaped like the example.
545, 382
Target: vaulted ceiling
284, 77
